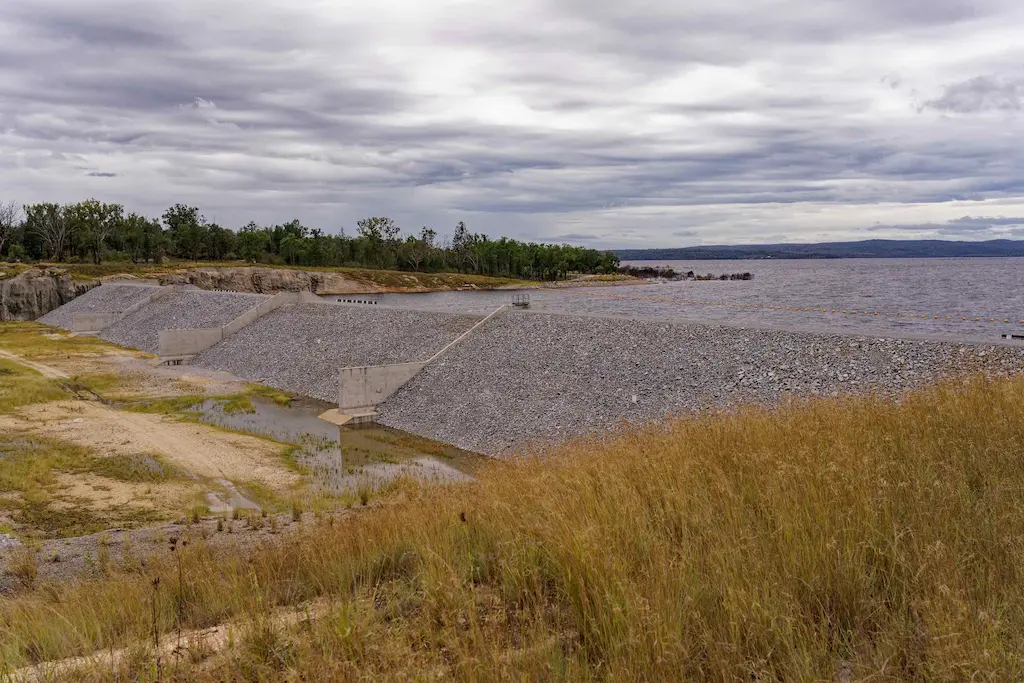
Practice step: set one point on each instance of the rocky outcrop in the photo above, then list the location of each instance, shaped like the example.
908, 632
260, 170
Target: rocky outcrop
267, 280
35, 293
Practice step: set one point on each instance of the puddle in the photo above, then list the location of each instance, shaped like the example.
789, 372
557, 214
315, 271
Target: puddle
229, 500
344, 459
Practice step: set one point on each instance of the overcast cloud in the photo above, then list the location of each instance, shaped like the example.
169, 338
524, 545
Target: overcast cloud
635, 124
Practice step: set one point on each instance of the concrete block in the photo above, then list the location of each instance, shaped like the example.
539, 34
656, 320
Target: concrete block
188, 342
253, 314
83, 323
364, 387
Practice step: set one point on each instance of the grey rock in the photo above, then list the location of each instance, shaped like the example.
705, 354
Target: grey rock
301, 348
530, 378
107, 298
178, 310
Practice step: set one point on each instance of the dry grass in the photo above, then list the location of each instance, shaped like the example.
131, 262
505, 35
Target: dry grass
848, 539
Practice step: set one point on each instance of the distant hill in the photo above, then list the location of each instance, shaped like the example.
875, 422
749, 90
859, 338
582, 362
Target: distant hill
823, 250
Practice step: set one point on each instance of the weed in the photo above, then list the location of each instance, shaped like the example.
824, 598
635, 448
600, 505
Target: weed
22, 564
138, 468
239, 404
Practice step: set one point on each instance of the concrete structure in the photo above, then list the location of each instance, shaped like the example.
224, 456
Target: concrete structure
181, 345
362, 389
90, 324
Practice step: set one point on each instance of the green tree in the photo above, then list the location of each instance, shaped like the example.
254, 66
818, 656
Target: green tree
187, 231
93, 222
252, 242
144, 239
49, 223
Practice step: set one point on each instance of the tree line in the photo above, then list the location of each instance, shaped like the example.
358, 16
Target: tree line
96, 231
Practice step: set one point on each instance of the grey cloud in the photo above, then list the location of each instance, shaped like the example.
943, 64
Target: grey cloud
979, 94
279, 111
965, 227
101, 174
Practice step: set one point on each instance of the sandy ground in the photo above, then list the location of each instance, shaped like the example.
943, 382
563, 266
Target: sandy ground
201, 450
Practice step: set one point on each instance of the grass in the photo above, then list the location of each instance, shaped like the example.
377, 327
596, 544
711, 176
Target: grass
31, 493
136, 468
21, 386
840, 539
34, 341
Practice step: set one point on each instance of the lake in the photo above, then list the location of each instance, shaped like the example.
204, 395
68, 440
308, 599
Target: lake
975, 299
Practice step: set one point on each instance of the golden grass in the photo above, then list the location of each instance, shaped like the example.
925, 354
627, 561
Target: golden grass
843, 539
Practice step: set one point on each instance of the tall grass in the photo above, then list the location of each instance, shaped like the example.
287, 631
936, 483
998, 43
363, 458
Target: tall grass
839, 539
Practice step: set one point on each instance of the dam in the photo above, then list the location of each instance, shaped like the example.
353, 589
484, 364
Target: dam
499, 380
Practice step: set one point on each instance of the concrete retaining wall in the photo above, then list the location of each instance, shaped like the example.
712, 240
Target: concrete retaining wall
362, 389
179, 344
93, 323
366, 387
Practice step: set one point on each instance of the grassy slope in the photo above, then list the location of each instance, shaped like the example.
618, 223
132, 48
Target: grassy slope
840, 539
391, 279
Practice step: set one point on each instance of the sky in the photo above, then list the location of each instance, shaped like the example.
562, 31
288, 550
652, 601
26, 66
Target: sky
608, 124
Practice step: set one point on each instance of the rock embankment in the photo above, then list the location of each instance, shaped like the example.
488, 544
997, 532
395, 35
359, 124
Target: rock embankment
527, 377
35, 292
259, 280
178, 310
301, 348
109, 298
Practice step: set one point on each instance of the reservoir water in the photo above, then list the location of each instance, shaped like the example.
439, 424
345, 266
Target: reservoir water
971, 299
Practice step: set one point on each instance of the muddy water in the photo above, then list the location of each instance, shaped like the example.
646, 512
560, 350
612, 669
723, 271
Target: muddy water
344, 459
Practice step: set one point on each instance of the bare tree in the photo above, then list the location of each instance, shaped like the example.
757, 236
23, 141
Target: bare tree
50, 222
10, 218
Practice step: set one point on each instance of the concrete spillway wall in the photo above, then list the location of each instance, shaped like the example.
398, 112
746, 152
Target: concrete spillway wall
98, 306
181, 344
301, 348
361, 389
94, 323
179, 309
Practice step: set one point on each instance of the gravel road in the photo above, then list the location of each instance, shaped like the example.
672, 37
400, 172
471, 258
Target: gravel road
301, 348
108, 298
527, 377
179, 310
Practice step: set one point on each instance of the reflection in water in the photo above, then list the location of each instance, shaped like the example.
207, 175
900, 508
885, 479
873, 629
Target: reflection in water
342, 459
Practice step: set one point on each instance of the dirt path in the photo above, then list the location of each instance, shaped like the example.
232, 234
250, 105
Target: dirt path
199, 449
204, 643
44, 370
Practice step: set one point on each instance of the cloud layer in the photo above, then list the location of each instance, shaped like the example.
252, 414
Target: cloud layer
634, 124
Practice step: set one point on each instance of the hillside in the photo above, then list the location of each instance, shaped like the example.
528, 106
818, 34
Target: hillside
831, 250
788, 545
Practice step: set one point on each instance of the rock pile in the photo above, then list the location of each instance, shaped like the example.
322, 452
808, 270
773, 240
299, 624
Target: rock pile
528, 377
301, 348
108, 298
178, 310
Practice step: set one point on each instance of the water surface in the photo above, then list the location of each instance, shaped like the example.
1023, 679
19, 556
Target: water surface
975, 299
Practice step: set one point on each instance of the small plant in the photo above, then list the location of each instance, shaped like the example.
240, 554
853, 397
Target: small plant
103, 558
220, 524
296, 511
22, 565
236, 514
